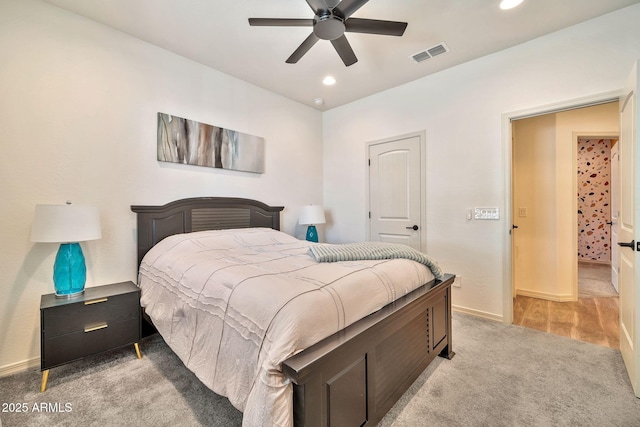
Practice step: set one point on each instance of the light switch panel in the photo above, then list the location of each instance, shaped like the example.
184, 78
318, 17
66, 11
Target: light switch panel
486, 213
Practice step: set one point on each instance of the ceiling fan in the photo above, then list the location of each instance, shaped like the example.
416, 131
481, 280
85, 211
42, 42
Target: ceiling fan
332, 19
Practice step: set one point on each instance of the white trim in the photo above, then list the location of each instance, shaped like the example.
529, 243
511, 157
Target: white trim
507, 143
559, 109
571, 104
547, 296
477, 313
507, 270
18, 367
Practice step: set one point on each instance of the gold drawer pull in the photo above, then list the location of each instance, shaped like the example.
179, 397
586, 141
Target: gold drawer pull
95, 328
96, 301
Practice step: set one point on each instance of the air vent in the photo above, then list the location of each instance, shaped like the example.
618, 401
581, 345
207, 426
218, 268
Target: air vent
421, 56
436, 50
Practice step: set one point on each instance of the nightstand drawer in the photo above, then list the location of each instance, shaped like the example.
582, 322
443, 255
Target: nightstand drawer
102, 318
98, 338
77, 316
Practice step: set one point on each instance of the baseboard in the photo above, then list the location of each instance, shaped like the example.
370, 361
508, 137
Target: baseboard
477, 313
15, 368
593, 261
544, 295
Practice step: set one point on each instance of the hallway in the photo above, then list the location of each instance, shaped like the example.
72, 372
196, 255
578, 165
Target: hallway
593, 318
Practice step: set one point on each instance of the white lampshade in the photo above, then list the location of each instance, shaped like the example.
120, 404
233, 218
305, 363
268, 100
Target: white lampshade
312, 214
65, 223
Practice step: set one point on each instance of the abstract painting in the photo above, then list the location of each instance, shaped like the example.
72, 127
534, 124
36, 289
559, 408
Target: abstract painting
194, 143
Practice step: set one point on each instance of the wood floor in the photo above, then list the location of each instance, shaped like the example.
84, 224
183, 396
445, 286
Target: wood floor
593, 320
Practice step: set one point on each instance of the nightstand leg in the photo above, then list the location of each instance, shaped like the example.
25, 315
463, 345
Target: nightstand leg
137, 350
45, 377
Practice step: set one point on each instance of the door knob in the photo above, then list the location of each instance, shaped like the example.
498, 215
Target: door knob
415, 227
514, 226
610, 223
627, 245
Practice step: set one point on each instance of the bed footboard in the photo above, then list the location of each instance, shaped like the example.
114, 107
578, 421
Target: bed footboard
354, 377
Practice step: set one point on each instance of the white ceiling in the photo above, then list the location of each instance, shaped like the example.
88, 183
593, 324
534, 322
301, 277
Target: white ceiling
216, 33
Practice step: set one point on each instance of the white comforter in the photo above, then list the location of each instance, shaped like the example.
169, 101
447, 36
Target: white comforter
234, 304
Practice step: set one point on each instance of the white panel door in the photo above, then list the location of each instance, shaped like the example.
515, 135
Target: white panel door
615, 208
395, 191
629, 232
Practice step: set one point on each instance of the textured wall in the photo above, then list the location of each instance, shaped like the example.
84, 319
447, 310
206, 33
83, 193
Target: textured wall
78, 121
460, 110
594, 205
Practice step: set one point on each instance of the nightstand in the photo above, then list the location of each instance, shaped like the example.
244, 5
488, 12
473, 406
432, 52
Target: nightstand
101, 319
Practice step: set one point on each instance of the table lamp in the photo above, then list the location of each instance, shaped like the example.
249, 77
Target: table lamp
311, 215
67, 224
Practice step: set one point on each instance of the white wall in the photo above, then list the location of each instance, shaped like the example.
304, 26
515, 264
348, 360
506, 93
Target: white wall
78, 105
460, 109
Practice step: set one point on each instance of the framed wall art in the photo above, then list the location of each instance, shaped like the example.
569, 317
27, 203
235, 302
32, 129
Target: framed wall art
193, 143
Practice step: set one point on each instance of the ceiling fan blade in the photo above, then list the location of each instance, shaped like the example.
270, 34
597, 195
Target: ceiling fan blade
342, 46
276, 22
302, 49
348, 7
317, 5
375, 26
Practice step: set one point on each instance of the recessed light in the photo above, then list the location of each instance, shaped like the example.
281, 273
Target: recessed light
318, 101
329, 81
509, 4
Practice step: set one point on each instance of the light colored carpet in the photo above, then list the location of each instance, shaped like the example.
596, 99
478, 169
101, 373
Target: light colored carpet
500, 376
506, 375
117, 389
594, 280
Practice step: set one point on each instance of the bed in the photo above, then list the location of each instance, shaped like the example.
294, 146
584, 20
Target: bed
345, 370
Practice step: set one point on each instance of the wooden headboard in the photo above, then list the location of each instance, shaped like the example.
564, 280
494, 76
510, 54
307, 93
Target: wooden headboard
198, 214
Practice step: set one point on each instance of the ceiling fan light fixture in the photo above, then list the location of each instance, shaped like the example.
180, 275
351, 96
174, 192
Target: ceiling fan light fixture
509, 4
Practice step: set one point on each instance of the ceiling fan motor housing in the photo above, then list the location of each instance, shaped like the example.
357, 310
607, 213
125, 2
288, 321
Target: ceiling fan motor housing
328, 26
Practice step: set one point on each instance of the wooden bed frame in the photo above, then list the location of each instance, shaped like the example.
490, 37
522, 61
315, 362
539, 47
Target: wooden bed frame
353, 377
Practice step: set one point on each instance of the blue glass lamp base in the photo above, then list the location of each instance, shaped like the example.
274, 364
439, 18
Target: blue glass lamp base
69, 271
312, 234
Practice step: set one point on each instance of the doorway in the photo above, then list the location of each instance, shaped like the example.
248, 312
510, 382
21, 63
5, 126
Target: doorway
546, 212
597, 215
